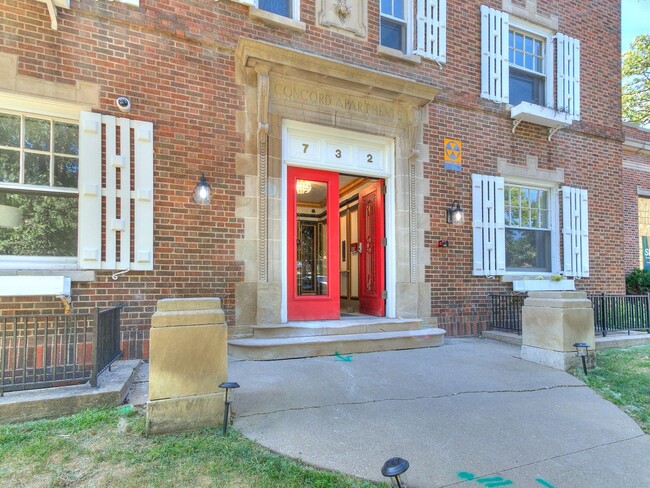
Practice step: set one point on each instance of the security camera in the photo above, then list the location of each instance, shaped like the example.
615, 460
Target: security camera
123, 103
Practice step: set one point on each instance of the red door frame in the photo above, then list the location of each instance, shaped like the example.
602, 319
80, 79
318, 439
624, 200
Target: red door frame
372, 260
313, 307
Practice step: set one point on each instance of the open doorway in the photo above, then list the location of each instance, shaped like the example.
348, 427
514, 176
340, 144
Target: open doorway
336, 257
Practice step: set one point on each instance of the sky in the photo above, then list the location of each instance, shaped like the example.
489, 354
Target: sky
635, 20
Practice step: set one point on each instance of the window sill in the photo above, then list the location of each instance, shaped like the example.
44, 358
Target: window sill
277, 20
543, 285
396, 54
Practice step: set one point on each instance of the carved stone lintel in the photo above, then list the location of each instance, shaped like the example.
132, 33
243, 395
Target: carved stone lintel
262, 71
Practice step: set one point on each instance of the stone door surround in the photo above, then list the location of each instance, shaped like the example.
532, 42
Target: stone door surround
286, 84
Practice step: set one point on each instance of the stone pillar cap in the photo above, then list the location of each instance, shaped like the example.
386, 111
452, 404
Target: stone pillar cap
178, 304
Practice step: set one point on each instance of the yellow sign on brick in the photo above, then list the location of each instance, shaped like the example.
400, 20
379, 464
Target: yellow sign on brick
453, 150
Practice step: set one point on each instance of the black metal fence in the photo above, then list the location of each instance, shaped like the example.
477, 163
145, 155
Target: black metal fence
506, 312
621, 313
39, 351
612, 313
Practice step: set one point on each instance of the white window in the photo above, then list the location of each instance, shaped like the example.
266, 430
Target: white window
423, 32
39, 167
527, 68
68, 198
517, 64
283, 8
394, 24
527, 219
278, 7
516, 228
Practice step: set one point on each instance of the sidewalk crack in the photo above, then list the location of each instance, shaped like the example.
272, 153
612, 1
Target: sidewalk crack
423, 397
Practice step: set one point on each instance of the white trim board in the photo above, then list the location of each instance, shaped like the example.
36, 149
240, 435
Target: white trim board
21, 286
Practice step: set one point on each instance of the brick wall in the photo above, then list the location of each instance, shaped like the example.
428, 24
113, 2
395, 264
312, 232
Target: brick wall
175, 61
636, 176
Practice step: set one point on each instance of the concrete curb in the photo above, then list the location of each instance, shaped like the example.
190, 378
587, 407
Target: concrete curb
112, 388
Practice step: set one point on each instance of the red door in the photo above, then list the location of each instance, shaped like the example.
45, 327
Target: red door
372, 258
313, 244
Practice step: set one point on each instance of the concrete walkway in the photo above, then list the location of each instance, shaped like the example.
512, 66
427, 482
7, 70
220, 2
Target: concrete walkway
469, 413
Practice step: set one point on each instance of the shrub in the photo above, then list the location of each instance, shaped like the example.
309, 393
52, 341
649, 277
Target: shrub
637, 282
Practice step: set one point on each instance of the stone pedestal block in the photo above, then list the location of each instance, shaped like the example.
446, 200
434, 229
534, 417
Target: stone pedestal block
551, 323
188, 360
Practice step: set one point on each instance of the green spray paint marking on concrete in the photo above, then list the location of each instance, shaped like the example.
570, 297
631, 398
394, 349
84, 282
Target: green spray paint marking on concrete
494, 482
497, 481
487, 482
347, 359
465, 475
544, 483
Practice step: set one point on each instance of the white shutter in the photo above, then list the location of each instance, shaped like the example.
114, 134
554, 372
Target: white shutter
494, 55
143, 195
575, 229
89, 247
488, 225
113, 218
568, 75
432, 29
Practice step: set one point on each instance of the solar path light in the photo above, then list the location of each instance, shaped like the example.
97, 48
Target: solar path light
582, 349
395, 469
226, 404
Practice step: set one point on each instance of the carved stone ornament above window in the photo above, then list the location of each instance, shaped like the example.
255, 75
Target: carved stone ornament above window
348, 16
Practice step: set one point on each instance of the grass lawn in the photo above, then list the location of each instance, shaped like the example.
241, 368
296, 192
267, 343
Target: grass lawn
622, 376
108, 447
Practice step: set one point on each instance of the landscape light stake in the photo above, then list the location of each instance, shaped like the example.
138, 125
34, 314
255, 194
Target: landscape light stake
226, 404
395, 469
582, 349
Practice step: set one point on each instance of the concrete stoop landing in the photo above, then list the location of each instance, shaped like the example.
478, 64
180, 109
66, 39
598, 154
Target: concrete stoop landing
328, 337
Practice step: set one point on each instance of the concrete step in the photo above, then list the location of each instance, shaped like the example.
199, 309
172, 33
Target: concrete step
613, 339
334, 327
328, 345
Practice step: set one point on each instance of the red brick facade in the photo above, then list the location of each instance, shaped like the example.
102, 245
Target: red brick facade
176, 62
636, 184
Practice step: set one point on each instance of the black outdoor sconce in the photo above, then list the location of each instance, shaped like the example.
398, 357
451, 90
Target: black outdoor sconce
582, 350
455, 214
226, 404
395, 469
202, 191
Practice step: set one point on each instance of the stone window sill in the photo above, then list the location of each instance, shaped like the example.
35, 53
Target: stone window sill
395, 54
277, 20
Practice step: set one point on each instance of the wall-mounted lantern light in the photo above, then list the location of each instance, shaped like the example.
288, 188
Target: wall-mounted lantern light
227, 385
395, 469
582, 350
455, 214
202, 191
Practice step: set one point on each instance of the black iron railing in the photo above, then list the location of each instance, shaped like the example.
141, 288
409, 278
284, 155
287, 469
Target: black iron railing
611, 312
506, 312
621, 313
106, 340
39, 351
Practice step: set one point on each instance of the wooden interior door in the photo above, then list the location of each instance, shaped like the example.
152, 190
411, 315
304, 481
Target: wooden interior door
372, 260
313, 282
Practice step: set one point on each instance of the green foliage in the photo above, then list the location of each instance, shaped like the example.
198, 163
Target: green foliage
48, 227
637, 282
622, 376
636, 81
